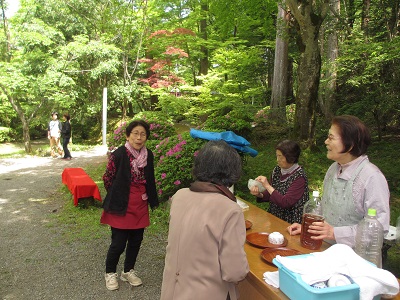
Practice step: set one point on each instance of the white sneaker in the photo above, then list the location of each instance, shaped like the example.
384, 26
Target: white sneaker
111, 281
131, 277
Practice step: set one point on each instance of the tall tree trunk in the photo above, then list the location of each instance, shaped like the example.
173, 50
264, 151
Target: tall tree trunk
26, 135
309, 19
24, 120
203, 32
153, 97
127, 81
307, 93
351, 13
365, 16
6, 34
16, 106
280, 80
394, 20
327, 93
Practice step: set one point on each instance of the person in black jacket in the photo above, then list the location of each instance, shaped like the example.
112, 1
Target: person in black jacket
130, 183
66, 135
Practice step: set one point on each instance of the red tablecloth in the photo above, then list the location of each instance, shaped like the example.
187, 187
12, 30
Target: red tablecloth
80, 184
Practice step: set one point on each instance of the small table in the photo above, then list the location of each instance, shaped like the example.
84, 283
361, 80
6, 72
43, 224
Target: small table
80, 184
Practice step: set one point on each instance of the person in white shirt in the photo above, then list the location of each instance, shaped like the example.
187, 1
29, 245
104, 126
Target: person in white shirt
53, 134
352, 184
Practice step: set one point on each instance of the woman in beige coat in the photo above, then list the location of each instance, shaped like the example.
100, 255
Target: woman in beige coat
205, 252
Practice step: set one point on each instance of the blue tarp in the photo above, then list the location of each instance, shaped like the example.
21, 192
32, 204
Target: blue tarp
236, 141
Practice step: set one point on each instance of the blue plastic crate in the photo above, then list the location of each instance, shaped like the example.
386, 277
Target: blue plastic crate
294, 287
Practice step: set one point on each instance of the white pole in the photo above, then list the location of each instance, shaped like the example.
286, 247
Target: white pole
104, 116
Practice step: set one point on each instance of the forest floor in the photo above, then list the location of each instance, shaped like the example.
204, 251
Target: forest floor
36, 262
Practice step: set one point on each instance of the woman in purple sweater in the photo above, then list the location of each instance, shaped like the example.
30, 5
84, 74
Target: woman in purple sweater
288, 191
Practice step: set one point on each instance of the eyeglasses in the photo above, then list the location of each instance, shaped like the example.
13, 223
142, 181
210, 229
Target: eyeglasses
331, 137
137, 134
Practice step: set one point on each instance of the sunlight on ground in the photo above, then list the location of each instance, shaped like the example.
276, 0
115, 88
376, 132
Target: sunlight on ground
43, 200
16, 190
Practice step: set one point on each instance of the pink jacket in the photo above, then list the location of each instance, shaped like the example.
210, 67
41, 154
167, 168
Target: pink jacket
205, 253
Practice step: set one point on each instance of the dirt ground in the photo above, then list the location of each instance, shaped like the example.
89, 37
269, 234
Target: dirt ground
35, 263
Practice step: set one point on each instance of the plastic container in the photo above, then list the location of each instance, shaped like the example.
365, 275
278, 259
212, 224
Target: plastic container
369, 238
312, 212
294, 287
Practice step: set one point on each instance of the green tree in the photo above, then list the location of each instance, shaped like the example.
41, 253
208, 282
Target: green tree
25, 78
368, 74
309, 17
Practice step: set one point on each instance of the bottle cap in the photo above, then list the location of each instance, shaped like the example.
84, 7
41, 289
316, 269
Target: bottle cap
372, 212
315, 193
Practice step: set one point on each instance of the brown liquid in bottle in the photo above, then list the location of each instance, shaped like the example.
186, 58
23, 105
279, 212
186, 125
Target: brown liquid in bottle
305, 237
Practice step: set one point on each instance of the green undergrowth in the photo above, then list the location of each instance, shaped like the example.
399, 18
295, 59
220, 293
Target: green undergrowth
83, 221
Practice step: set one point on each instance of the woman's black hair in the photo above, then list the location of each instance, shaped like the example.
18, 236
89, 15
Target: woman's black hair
217, 162
135, 123
354, 134
290, 150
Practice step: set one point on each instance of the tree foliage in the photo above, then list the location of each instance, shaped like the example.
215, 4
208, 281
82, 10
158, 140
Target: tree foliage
197, 61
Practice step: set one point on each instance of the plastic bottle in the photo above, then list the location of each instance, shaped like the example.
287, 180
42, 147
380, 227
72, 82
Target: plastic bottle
312, 212
369, 238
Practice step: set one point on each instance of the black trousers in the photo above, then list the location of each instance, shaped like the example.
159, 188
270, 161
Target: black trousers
131, 239
67, 154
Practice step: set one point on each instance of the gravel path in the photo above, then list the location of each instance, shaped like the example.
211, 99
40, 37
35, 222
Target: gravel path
35, 263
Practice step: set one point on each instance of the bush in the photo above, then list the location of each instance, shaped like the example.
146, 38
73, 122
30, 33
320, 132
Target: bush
160, 125
263, 115
237, 121
173, 158
266, 130
6, 134
160, 128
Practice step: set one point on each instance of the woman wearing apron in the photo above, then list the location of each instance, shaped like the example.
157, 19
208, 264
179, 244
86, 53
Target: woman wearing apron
352, 184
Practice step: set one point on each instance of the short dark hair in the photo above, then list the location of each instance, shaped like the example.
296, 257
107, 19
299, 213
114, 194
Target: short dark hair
217, 162
135, 123
67, 116
354, 134
290, 150
54, 113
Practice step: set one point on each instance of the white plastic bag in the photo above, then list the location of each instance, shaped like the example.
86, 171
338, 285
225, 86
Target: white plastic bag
253, 182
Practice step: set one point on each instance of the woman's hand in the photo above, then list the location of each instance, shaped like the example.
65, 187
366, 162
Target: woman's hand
322, 230
265, 183
263, 180
255, 191
294, 229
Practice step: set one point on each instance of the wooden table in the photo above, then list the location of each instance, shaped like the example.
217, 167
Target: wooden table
80, 184
253, 287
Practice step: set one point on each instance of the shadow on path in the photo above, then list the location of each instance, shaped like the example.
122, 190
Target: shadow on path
35, 262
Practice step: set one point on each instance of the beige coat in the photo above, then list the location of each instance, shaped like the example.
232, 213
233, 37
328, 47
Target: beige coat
205, 252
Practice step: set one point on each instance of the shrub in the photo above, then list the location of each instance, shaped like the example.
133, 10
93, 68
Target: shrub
160, 128
6, 134
266, 129
118, 137
160, 125
263, 115
173, 159
237, 121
